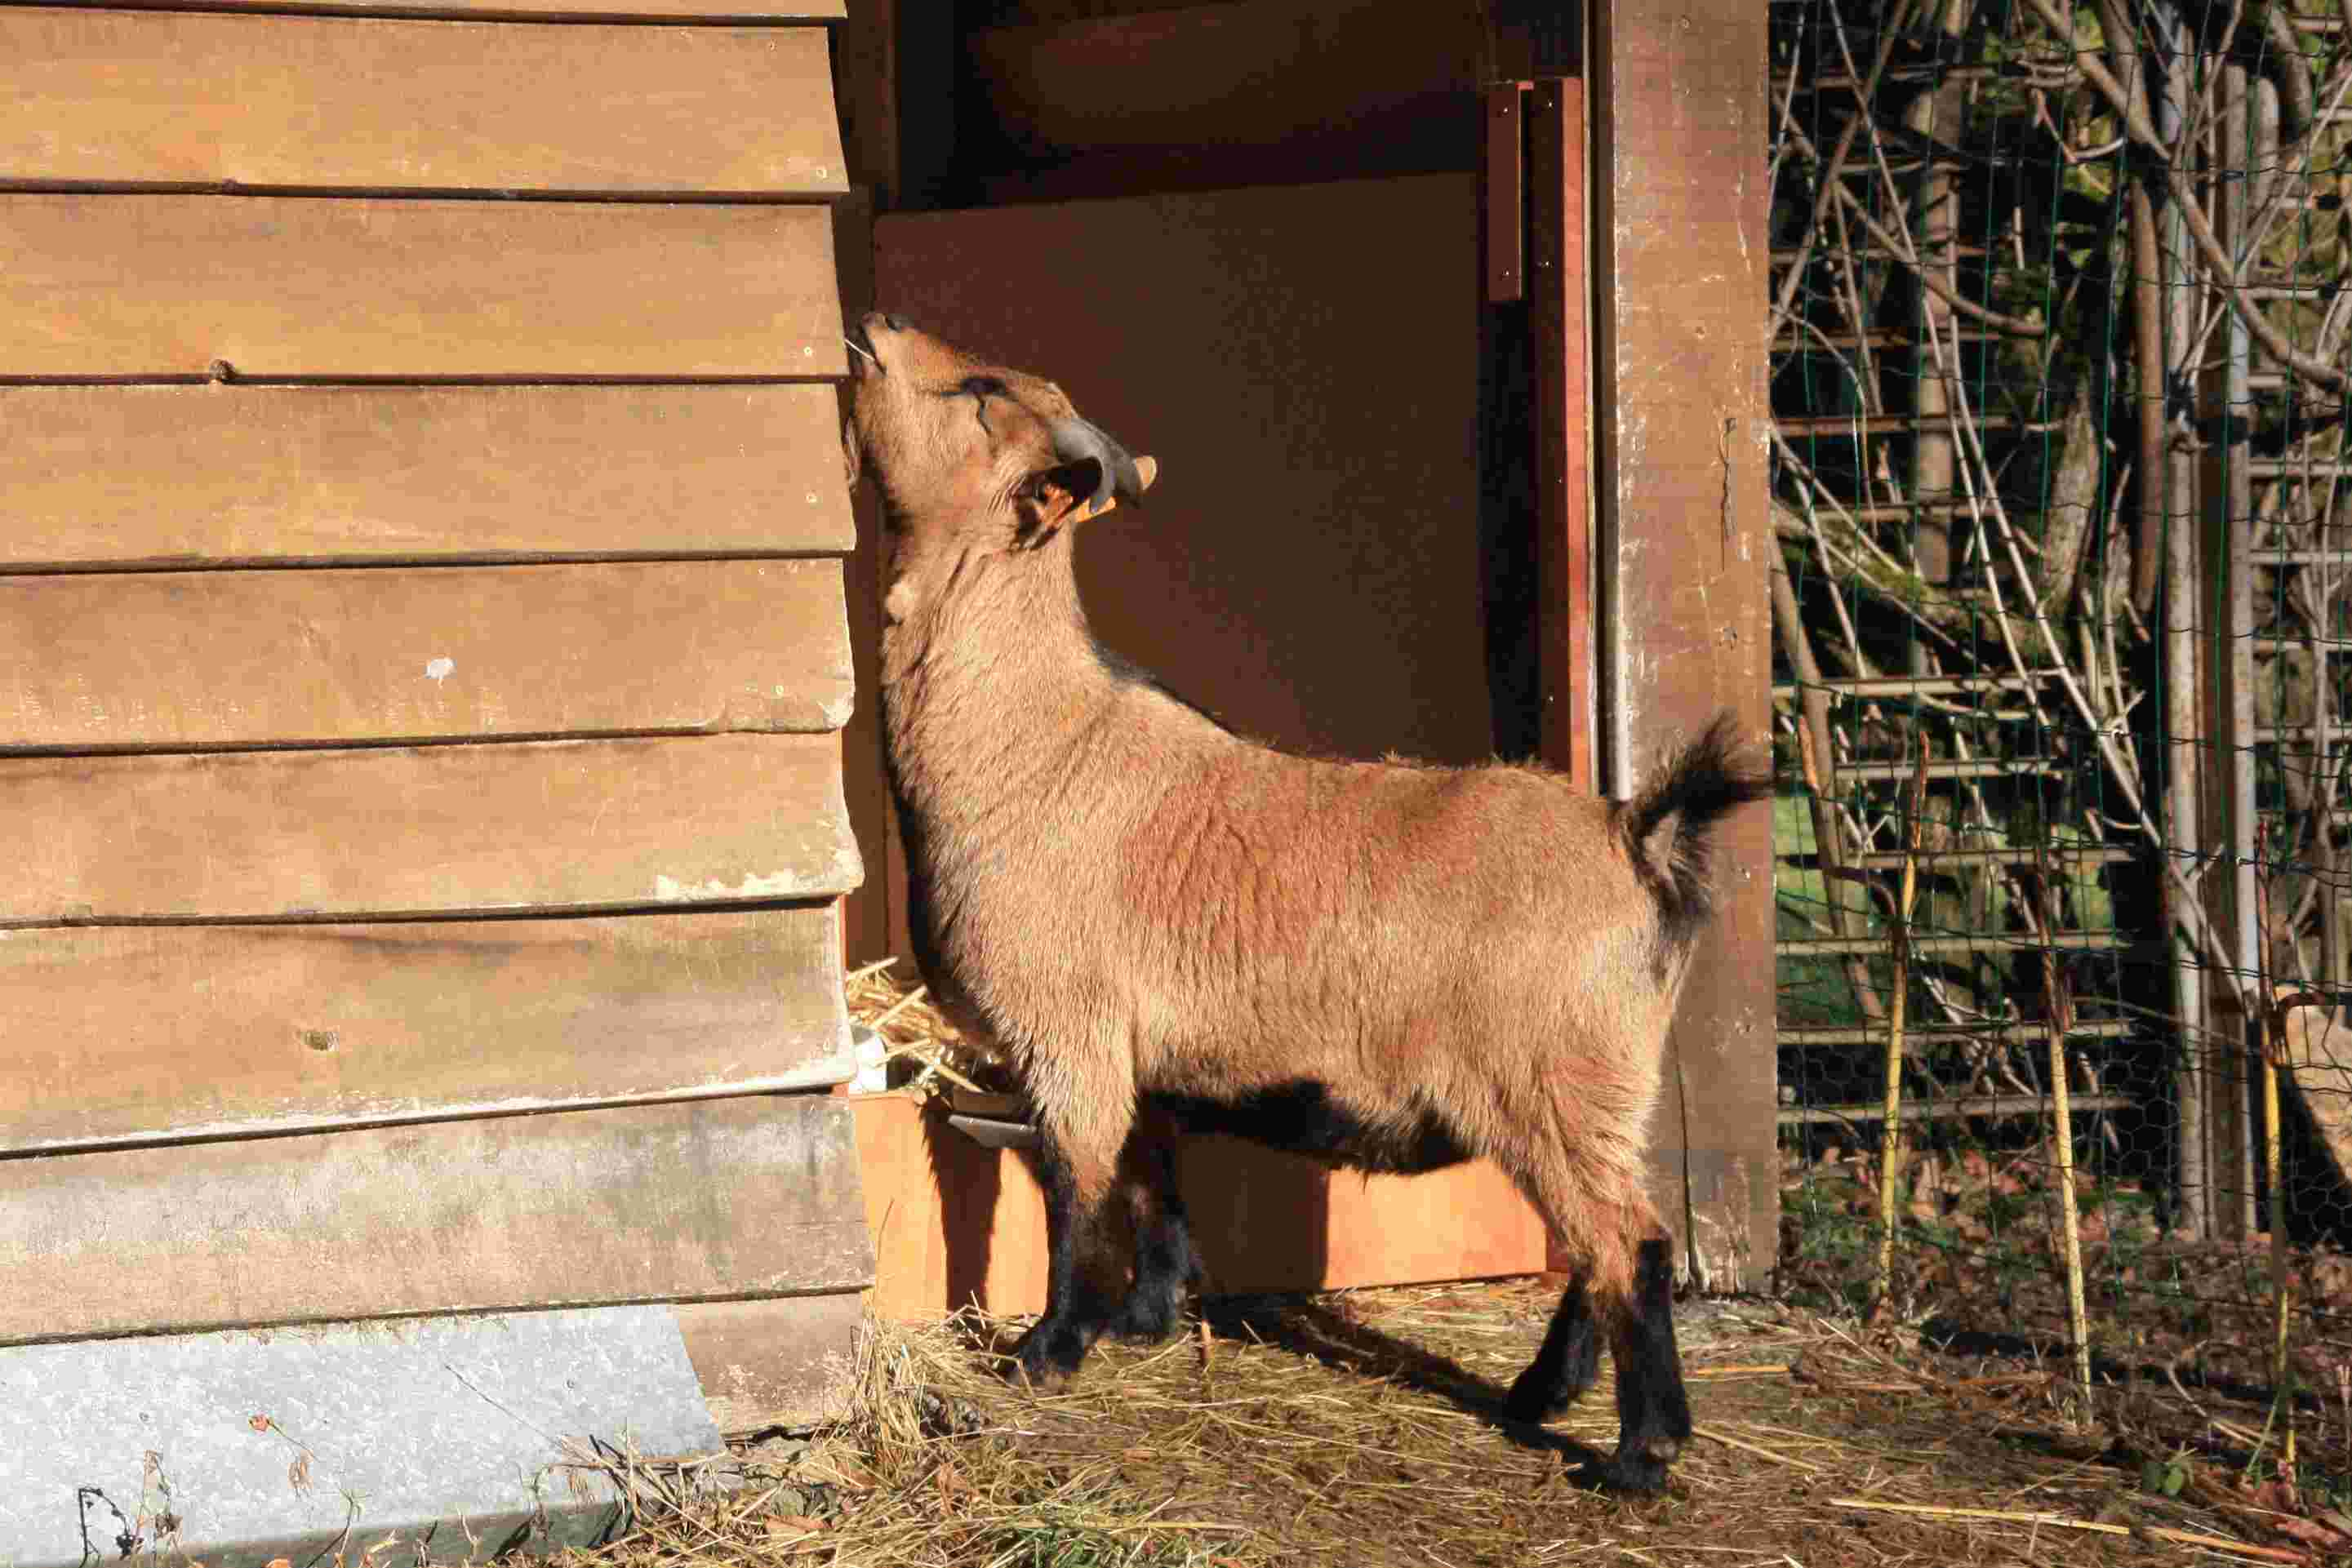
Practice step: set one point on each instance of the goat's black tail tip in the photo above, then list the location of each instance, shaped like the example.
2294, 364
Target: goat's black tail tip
1669, 825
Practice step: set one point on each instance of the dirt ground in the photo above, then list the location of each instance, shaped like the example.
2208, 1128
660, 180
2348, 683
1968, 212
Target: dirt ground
1360, 1428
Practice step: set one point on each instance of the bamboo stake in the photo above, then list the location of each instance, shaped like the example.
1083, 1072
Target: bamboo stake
2282, 1393
2275, 1013
2058, 1015
1899, 986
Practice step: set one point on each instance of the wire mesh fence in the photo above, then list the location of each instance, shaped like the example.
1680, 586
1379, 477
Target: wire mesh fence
2063, 654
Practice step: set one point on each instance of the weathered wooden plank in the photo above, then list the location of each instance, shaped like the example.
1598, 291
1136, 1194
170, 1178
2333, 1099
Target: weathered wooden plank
781, 1362
546, 10
712, 1198
191, 100
181, 660
144, 286
124, 1034
132, 476
568, 825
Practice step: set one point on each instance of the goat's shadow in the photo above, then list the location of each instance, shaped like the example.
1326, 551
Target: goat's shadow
1304, 1328
1308, 1328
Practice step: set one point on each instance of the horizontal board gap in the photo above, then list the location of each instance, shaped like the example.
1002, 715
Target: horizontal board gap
404, 562
494, 916
517, 197
387, 743
813, 1081
517, 379
448, 14
277, 1326
406, 918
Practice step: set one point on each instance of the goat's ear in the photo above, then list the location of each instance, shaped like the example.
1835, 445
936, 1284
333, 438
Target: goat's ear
852, 458
1051, 499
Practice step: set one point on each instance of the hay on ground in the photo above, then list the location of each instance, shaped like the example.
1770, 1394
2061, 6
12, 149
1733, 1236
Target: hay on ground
1360, 1428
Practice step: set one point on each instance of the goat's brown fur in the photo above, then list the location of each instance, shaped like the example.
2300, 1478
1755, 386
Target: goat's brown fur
1149, 913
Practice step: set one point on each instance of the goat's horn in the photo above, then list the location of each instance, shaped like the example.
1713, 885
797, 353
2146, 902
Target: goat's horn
1122, 478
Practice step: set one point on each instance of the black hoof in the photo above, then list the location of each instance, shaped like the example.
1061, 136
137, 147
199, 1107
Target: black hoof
1629, 1476
1047, 1357
1150, 1322
1534, 1402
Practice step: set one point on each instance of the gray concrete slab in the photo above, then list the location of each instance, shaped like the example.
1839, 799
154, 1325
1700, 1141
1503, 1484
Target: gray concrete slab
374, 1441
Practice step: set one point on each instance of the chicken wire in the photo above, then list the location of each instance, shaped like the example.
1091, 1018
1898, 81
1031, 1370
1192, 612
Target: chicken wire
2063, 619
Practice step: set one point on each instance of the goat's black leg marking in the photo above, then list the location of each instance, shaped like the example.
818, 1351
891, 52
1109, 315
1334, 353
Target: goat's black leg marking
1078, 1306
1165, 1263
1653, 1418
1568, 1365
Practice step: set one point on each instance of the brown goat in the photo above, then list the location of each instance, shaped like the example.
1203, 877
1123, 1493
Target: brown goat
1170, 928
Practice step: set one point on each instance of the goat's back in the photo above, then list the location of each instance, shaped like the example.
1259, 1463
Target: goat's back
1190, 896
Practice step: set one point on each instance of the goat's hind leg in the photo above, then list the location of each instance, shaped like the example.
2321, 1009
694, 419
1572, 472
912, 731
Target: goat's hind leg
1568, 1365
1623, 1286
1653, 1418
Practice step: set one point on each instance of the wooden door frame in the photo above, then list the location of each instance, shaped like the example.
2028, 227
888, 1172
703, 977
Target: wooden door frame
1678, 236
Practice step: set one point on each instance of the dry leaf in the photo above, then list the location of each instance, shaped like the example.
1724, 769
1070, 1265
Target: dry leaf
795, 1524
298, 1474
851, 1476
2312, 1533
794, 1533
259, 1423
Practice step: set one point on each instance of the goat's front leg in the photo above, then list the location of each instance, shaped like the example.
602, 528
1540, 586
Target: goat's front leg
1165, 1262
1085, 1273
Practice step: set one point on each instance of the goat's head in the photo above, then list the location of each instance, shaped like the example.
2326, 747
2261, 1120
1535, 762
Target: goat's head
972, 457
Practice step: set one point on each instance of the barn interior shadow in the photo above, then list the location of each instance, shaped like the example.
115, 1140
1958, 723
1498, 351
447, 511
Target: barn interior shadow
969, 1178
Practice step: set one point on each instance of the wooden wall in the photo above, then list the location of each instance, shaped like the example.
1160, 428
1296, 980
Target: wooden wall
423, 664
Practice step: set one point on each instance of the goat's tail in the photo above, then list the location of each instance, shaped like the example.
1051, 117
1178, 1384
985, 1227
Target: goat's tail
1669, 827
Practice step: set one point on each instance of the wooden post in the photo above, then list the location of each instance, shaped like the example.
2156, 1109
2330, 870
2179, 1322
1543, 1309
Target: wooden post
1684, 543
1557, 289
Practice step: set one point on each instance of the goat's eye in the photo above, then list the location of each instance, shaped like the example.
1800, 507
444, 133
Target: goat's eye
981, 387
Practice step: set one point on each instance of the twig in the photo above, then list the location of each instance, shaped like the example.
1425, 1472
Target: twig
1712, 1436
2226, 274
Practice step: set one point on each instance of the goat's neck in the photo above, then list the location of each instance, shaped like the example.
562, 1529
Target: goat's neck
990, 681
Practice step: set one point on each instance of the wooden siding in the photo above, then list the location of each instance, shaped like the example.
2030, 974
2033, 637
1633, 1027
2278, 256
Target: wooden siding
445, 740
164, 100
748, 1197
245, 658
574, 826
176, 476
277, 286
121, 1034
